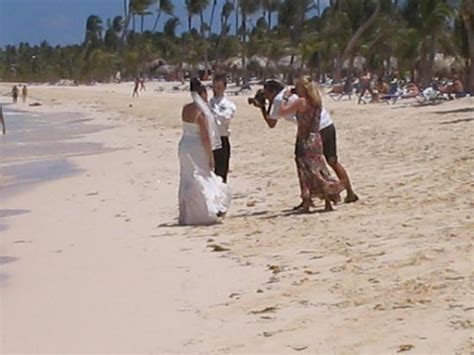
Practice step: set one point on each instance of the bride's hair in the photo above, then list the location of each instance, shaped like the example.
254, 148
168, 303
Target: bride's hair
196, 86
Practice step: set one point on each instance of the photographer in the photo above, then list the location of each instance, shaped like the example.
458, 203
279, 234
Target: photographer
274, 92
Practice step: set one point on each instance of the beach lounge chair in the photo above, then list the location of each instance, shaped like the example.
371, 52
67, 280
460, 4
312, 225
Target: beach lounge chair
430, 96
338, 92
393, 94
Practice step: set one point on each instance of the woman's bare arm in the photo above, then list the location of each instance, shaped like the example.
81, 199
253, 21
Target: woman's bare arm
290, 108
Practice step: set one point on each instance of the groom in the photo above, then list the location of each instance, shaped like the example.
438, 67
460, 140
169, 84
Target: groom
224, 111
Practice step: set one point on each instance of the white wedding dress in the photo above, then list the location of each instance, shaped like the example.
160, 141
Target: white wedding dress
202, 194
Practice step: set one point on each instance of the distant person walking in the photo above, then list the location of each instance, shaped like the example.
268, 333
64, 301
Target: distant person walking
365, 85
142, 84
24, 93
15, 93
135, 88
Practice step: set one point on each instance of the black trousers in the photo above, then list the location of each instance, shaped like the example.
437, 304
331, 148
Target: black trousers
221, 159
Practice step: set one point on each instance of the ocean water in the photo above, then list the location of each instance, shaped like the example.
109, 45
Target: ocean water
38, 148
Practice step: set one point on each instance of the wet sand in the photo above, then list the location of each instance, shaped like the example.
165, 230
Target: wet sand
95, 261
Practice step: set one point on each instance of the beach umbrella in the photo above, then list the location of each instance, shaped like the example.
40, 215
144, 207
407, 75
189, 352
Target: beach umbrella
258, 61
234, 62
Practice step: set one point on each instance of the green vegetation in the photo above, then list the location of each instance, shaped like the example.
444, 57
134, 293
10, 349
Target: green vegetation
290, 37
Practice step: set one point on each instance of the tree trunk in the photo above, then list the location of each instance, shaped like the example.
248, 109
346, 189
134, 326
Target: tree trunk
211, 21
337, 74
388, 68
360, 31
468, 24
236, 9
350, 68
190, 22
244, 64
155, 25
133, 22
206, 64
141, 24
269, 20
125, 27
428, 69
201, 18
125, 9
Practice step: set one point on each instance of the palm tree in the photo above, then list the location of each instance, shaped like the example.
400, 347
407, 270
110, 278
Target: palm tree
350, 19
227, 9
196, 7
165, 6
114, 27
141, 9
430, 18
170, 26
270, 6
136, 7
93, 30
247, 8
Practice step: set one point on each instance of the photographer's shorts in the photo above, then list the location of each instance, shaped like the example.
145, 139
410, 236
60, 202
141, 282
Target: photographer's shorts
328, 136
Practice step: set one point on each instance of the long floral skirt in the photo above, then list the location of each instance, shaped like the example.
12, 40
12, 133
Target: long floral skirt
313, 173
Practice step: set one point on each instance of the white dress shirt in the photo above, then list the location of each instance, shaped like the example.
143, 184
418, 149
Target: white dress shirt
223, 110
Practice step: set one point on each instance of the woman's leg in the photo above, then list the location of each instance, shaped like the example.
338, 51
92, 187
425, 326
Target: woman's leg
305, 186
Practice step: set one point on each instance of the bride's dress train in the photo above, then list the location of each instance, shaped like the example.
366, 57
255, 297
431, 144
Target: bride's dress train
202, 195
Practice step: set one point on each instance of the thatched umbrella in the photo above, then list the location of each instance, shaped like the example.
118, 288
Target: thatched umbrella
234, 62
165, 69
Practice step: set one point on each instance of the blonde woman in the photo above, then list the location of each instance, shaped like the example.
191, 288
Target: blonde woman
313, 173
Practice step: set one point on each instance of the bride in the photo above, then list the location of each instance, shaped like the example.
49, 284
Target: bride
203, 197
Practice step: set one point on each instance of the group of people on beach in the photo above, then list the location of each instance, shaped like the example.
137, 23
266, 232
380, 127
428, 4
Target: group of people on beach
204, 149
377, 88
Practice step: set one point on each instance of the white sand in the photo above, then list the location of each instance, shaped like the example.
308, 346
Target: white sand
101, 267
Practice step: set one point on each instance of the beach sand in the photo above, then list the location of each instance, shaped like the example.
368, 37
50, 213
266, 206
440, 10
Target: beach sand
95, 263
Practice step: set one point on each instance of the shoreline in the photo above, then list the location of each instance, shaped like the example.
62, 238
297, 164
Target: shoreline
99, 255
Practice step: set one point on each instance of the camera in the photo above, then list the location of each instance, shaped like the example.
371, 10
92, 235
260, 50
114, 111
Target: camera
258, 99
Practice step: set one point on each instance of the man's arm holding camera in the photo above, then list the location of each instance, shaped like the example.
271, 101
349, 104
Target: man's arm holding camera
271, 122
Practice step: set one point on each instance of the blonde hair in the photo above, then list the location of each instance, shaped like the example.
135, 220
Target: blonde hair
312, 90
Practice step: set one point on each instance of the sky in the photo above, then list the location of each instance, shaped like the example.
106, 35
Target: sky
62, 22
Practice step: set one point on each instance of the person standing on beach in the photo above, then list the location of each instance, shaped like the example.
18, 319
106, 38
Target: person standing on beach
274, 93
24, 93
365, 85
142, 84
15, 93
224, 111
2, 121
135, 88
313, 174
